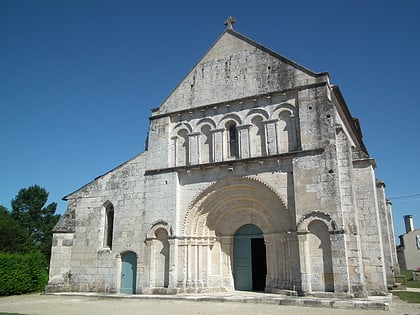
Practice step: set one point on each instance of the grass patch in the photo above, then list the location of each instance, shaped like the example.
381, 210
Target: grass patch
408, 274
410, 297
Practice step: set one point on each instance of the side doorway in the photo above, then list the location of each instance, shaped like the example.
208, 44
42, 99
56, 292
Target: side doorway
250, 262
128, 272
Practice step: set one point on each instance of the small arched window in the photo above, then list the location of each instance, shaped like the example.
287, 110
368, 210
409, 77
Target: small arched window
232, 140
109, 225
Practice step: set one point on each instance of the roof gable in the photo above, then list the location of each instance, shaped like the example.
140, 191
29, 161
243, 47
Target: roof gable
236, 67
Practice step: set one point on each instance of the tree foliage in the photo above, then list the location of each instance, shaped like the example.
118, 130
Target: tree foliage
25, 241
14, 239
38, 220
22, 273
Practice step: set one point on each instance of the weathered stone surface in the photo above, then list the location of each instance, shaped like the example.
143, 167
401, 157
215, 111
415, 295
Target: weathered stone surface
248, 139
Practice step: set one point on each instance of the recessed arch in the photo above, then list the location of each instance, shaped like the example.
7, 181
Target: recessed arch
160, 224
221, 209
206, 148
257, 132
205, 121
229, 117
256, 112
305, 220
283, 107
182, 148
287, 131
159, 253
180, 126
161, 259
319, 250
226, 205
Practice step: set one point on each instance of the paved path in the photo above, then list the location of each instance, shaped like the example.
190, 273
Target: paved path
413, 290
127, 305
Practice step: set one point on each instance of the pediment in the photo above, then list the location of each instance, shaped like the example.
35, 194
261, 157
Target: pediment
236, 67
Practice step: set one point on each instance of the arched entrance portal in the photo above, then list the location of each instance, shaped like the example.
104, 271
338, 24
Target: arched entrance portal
128, 272
250, 264
225, 248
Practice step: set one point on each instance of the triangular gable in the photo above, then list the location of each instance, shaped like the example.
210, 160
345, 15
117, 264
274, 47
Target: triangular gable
236, 67
135, 159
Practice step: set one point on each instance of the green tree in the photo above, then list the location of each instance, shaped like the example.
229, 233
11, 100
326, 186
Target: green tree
14, 239
28, 207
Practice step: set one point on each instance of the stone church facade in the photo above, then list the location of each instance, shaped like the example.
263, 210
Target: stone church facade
255, 177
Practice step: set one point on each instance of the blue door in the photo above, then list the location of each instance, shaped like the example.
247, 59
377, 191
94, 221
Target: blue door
250, 267
128, 272
243, 263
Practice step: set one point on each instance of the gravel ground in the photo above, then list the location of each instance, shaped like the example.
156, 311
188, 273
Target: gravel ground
63, 305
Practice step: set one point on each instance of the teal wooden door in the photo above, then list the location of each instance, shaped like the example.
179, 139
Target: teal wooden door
243, 261
128, 272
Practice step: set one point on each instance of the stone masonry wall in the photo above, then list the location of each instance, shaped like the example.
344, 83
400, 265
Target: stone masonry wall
93, 266
370, 227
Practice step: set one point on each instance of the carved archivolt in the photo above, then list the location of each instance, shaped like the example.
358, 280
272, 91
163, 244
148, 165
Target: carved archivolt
230, 117
226, 205
159, 225
305, 220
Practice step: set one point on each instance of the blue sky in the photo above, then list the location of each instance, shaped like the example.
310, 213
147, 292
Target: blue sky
78, 79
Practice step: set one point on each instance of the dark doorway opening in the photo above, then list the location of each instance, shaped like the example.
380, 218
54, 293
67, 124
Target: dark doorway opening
259, 264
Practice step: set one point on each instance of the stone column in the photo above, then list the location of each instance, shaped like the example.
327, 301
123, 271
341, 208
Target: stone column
182, 264
199, 260
271, 257
295, 280
174, 151
271, 136
282, 261
190, 266
218, 144
173, 257
193, 141
151, 274
244, 142
304, 262
226, 243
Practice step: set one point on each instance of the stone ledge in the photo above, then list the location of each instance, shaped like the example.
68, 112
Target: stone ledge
284, 292
370, 303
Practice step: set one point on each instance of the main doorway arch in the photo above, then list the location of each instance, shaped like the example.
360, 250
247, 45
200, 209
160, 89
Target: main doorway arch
128, 272
217, 214
250, 262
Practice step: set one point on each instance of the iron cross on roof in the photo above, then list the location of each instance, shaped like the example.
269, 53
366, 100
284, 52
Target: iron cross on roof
229, 22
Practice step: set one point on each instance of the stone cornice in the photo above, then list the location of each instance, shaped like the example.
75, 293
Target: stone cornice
232, 163
231, 102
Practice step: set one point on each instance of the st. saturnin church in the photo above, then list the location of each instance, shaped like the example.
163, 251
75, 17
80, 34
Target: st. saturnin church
255, 177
